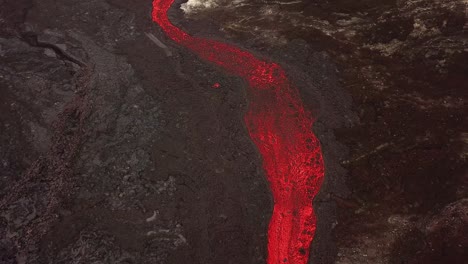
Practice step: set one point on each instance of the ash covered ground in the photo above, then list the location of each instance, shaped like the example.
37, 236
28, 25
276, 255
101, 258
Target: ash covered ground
112, 151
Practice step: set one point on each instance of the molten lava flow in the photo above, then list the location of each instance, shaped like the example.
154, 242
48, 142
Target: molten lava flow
281, 129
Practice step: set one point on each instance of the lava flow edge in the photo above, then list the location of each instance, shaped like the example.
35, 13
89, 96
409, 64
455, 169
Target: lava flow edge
281, 128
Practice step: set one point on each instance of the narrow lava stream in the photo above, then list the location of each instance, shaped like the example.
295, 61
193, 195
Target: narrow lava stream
281, 129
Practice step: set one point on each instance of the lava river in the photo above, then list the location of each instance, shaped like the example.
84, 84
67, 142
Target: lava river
281, 129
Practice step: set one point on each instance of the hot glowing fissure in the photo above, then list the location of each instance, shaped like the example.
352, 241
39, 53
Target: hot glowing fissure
281, 129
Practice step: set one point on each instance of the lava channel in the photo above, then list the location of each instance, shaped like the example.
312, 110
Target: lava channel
281, 128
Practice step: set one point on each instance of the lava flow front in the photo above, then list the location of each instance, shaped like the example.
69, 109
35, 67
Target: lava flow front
280, 127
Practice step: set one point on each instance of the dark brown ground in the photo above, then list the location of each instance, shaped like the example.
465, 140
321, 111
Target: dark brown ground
100, 130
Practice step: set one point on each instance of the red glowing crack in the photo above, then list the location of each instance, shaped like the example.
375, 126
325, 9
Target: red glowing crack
280, 127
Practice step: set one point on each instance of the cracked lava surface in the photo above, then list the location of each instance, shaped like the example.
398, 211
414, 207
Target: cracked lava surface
281, 129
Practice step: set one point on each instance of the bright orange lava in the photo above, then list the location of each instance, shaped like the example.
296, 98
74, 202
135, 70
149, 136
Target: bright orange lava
281, 129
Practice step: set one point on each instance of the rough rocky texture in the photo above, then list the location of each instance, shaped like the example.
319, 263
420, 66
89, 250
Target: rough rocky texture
111, 151
404, 64
115, 154
438, 238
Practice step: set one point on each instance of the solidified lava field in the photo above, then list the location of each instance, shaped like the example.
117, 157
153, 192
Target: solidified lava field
250, 131
281, 128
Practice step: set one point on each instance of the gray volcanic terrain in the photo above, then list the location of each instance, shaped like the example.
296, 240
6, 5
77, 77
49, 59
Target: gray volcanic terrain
115, 148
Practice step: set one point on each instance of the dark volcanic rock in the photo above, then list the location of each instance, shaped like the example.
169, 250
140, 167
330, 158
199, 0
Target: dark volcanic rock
124, 159
113, 150
404, 64
441, 238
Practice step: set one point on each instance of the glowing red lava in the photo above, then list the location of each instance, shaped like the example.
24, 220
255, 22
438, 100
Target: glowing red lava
281, 129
